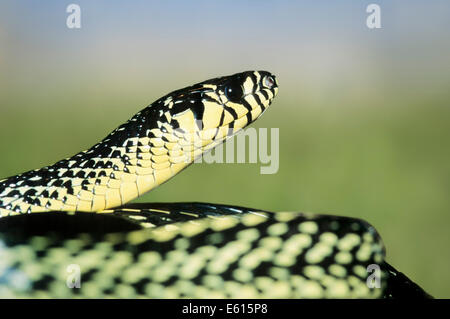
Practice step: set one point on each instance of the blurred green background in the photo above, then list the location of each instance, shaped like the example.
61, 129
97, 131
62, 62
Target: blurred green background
363, 114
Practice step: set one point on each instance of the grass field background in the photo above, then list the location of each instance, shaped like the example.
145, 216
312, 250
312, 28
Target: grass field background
364, 115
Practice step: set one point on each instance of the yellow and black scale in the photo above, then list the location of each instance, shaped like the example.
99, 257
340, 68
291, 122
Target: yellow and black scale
75, 212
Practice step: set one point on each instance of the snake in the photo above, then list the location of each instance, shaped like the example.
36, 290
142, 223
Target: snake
68, 230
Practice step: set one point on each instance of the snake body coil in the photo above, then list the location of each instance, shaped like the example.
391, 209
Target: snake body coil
192, 250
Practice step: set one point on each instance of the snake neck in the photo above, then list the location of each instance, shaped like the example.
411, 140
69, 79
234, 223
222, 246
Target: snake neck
135, 158
150, 148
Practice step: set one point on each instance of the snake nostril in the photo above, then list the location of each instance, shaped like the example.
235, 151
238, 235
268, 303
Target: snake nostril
269, 81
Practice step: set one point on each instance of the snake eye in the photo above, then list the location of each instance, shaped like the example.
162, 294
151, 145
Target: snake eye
234, 92
268, 81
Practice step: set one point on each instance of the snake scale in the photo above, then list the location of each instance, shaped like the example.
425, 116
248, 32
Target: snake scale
75, 214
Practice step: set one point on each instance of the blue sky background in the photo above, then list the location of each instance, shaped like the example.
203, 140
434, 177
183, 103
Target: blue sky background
297, 40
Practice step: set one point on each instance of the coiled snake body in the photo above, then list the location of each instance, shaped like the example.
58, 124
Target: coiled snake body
73, 216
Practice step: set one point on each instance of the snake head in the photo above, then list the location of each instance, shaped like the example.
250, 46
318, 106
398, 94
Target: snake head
218, 108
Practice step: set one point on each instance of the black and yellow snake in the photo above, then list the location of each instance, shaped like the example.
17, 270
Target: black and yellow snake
75, 212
